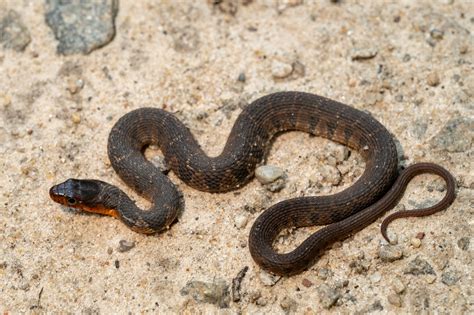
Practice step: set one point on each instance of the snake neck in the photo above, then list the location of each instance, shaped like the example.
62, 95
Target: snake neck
161, 214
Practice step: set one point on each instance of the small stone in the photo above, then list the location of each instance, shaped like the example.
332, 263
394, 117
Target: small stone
390, 253
261, 301
125, 246
241, 221
281, 70
81, 26
268, 279
267, 173
241, 77
288, 305
75, 85
110, 250
437, 34
376, 277
363, 53
450, 277
216, 292
456, 136
415, 242
328, 296
330, 174
398, 286
433, 79
419, 266
76, 118
5, 100
463, 243
324, 273
394, 299
430, 279
13, 33
306, 283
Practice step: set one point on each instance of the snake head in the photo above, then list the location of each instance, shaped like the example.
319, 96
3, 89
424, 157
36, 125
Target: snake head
82, 194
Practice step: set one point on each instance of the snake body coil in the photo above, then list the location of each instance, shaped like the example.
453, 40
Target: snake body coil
344, 212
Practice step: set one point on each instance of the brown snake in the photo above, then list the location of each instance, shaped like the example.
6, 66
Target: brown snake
376, 191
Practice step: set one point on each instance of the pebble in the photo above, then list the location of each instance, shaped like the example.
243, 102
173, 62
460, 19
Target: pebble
5, 100
125, 246
360, 266
216, 292
398, 286
76, 118
75, 85
363, 53
288, 305
450, 277
463, 243
268, 173
394, 299
390, 253
241, 221
324, 273
261, 301
375, 277
81, 26
281, 70
241, 77
430, 278
456, 136
328, 296
419, 266
268, 279
415, 242
306, 283
433, 79
13, 33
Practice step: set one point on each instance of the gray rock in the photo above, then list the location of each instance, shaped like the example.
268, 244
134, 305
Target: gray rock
328, 296
125, 246
463, 243
419, 266
456, 136
281, 69
13, 33
81, 26
450, 277
390, 253
216, 292
268, 173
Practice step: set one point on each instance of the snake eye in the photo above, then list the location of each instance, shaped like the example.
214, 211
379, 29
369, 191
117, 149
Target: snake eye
71, 201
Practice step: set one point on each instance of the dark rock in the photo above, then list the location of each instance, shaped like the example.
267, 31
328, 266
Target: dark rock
216, 292
450, 277
81, 26
456, 136
419, 266
463, 243
13, 33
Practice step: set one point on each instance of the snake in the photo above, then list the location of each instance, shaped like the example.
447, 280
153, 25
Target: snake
376, 191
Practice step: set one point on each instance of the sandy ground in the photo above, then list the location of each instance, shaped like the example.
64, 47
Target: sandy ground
408, 64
